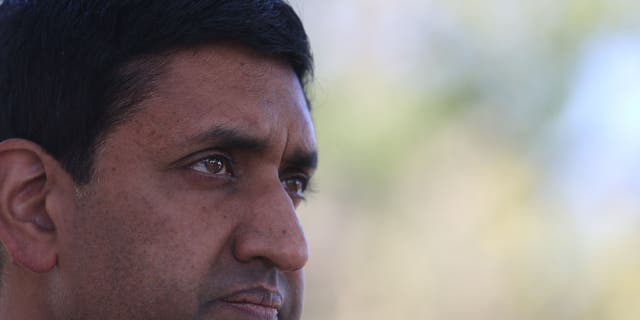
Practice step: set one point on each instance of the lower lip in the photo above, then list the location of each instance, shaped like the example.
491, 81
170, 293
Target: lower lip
252, 311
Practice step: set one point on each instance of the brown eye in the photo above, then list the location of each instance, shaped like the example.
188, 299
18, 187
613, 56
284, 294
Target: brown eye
214, 165
295, 186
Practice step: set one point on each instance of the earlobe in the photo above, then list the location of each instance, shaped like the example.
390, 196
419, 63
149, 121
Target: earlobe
27, 227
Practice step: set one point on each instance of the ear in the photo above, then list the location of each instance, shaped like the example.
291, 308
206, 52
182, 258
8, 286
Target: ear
29, 197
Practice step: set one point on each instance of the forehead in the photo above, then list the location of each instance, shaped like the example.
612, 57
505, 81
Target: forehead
225, 86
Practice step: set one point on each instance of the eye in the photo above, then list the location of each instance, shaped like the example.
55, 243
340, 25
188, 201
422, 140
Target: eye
213, 165
295, 186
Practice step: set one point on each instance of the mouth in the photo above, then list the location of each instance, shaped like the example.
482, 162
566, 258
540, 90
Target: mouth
255, 303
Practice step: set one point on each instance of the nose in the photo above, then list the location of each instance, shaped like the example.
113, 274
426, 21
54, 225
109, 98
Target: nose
271, 231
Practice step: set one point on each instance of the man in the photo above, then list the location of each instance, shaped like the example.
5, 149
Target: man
153, 154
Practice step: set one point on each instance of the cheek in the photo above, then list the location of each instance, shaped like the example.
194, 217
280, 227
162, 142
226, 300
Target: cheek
295, 291
147, 253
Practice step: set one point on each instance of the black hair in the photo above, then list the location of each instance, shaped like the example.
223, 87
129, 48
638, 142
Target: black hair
72, 69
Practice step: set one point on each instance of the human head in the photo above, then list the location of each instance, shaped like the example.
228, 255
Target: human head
84, 78
70, 70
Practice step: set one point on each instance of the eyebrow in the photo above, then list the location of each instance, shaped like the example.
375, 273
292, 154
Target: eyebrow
233, 139
230, 138
303, 159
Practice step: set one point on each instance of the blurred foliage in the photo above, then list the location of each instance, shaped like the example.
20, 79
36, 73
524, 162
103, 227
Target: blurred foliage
440, 127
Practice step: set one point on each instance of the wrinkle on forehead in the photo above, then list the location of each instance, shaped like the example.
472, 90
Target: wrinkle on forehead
223, 86
233, 61
226, 67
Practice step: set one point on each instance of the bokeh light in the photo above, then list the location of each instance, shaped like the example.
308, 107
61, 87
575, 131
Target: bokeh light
479, 159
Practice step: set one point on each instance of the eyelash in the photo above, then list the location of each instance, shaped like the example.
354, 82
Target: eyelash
303, 186
225, 165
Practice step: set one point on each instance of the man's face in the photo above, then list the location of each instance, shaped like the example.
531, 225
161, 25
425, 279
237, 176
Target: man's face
191, 213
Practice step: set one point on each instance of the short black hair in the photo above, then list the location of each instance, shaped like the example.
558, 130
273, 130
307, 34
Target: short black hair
72, 69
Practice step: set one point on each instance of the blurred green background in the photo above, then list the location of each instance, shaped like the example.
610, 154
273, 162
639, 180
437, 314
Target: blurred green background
479, 159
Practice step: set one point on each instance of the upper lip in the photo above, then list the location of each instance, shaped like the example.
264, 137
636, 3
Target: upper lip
259, 296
